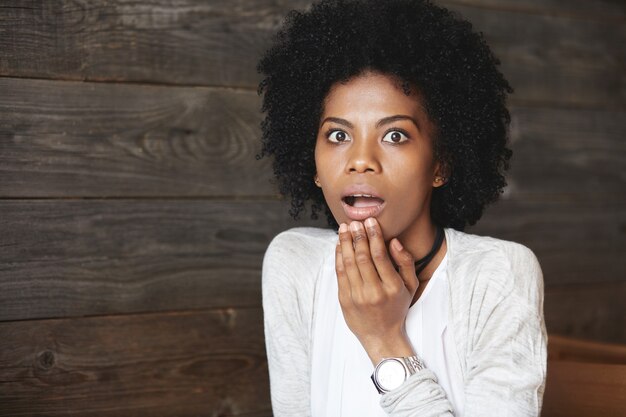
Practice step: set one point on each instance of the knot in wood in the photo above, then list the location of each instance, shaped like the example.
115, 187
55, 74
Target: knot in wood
46, 359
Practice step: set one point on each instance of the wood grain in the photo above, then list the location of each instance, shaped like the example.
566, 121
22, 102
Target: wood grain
584, 390
575, 241
548, 56
179, 363
69, 139
93, 257
559, 60
134, 216
187, 42
561, 153
590, 311
65, 258
566, 348
579, 9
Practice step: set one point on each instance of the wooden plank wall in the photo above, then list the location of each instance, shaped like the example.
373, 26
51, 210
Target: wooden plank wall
134, 216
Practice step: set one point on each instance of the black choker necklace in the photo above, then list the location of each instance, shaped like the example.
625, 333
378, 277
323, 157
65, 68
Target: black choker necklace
420, 264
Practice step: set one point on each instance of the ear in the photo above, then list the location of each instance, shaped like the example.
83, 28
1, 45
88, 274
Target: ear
441, 174
317, 181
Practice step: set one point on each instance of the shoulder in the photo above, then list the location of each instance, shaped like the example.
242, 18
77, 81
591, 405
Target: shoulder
297, 252
502, 267
292, 264
488, 249
301, 244
305, 236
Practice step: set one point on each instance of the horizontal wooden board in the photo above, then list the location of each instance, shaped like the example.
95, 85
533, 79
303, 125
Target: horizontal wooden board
85, 257
580, 9
559, 153
566, 348
183, 42
209, 363
69, 139
575, 241
591, 311
563, 61
89, 257
584, 390
547, 56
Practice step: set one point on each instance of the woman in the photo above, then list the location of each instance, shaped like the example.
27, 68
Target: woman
390, 117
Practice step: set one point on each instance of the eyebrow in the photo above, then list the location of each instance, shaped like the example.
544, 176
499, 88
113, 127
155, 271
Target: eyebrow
381, 122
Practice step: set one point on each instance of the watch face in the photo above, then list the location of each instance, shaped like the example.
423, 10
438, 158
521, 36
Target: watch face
390, 374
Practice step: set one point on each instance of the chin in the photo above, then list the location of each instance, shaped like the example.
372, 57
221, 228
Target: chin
388, 229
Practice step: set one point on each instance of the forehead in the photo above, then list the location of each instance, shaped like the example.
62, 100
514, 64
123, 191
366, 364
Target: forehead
372, 91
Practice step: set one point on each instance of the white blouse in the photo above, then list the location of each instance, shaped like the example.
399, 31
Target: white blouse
340, 367
495, 303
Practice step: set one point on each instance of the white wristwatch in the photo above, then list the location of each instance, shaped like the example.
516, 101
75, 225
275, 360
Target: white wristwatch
390, 373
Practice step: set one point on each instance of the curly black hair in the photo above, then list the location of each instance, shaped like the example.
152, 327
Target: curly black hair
418, 43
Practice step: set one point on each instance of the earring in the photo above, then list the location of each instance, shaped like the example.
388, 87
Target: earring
317, 182
439, 179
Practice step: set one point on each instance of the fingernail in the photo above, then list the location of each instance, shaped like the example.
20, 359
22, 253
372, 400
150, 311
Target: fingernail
343, 228
369, 222
397, 245
356, 226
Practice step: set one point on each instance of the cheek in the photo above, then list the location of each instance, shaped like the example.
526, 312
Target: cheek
326, 163
319, 158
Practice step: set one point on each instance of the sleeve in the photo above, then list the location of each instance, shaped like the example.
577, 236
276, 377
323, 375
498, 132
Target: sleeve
286, 334
420, 395
506, 366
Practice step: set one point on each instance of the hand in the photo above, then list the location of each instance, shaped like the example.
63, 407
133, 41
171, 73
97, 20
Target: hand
374, 297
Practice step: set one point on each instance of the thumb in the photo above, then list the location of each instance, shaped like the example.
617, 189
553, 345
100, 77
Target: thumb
406, 264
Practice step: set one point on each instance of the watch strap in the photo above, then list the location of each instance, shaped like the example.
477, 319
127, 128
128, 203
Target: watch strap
412, 364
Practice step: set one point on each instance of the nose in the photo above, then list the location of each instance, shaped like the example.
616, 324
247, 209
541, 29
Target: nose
363, 157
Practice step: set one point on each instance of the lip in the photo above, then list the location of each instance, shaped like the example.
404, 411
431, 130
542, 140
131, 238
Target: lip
361, 213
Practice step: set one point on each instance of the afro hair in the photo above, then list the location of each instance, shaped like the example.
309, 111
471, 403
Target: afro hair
415, 41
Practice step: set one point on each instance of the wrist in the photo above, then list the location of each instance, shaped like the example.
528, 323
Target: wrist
393, 346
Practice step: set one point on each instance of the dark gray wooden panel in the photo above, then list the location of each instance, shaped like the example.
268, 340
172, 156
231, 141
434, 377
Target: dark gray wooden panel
556, 59
573, 154
209, 363
575, 241
68, 139
580, 9
182, 42
85, 257
92, 139
89, 257
547, 57
590, 310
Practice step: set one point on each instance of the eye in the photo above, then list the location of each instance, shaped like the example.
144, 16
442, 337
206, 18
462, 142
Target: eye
337, 136
395, 136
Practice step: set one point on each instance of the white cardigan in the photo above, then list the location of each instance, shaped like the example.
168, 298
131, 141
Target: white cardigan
495, 310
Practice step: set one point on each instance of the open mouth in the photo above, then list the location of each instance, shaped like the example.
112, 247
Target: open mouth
361, 206
362, 200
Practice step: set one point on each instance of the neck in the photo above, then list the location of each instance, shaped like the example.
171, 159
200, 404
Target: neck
419, 240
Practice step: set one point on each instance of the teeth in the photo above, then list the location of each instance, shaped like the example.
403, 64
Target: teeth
350, 199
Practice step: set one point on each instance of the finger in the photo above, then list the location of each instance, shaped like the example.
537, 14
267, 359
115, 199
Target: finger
343, 284
406, 265
379, 253
347, 256
362, 255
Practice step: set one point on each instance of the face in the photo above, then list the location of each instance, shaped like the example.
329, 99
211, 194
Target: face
374, 155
